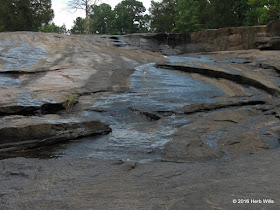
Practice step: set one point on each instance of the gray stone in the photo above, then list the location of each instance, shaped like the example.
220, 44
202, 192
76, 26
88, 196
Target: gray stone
19, 132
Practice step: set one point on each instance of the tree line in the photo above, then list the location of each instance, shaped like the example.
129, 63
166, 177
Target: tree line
130, 16
127, 17
178, 16
24, 15
196, 15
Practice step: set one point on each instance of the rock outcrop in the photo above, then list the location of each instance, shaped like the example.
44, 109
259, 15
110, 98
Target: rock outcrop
231, 38
43, 74
189, 132
19, 132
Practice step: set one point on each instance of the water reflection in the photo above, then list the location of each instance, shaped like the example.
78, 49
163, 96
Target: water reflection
134, 135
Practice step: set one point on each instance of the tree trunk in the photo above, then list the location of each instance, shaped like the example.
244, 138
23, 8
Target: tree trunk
87, 18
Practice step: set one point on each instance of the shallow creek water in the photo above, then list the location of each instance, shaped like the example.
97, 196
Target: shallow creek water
138, 131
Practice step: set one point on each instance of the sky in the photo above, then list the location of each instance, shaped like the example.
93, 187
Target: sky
62, 15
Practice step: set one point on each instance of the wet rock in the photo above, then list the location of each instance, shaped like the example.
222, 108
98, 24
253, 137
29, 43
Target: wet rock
193, 108
220, 133
94, 71
213, 73
167, 43
149, 115
48, 73
19, 132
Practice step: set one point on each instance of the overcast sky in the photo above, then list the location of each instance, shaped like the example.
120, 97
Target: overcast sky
63, 16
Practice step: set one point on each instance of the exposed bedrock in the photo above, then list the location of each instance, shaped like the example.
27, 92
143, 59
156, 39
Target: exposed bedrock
44, 74
231, 38
87, 80
31, 109
196, 133
246, 121
237, 78
19, 132
223, 134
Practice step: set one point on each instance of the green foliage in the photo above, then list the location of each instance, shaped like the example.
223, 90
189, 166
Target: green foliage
266, 10
50, 28
163, 15
129, 17
24, 15
220, 14
79, 26
102, 17
240, 9
189, 16
70, 102
178, 16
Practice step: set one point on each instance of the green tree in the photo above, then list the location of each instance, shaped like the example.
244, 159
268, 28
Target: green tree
253, 16
24, 15
265, 10
189, 15
129, 17
220, 14
163, 15
79, 26
145, 24
102, 17
240, 10
85, 5
50, 28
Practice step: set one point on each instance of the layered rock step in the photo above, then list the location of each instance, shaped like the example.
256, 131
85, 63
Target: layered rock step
20, 132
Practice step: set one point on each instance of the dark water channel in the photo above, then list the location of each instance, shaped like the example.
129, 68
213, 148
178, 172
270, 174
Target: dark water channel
138, 130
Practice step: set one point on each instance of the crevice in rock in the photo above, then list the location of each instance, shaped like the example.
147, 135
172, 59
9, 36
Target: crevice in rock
231, 121
87, 93
194, 108
269, 66
114, 37
149, 115
239, 79
21, 72
47, 108
168, 113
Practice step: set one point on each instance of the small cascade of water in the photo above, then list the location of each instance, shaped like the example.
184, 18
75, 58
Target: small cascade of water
139, 131
167, 40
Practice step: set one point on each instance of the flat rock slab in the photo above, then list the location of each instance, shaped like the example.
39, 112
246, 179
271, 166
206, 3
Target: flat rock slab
19, 132
224, 133
87, 183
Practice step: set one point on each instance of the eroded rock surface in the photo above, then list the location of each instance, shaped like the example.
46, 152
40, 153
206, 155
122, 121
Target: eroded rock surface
188, 132
47, 74
106, 184
18, 132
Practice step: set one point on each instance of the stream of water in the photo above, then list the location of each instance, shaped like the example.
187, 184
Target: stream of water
135, 136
